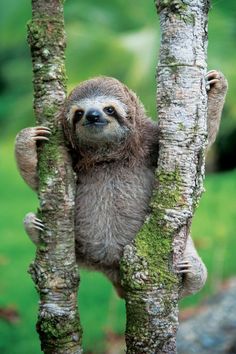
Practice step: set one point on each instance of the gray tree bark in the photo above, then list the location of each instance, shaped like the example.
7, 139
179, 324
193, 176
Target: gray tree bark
54, 270
148, 265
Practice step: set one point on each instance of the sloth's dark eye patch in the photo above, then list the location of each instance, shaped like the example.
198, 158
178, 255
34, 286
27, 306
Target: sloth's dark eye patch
78, 115
110, 110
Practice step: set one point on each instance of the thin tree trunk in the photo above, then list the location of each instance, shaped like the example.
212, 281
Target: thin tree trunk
54, 270
151, 286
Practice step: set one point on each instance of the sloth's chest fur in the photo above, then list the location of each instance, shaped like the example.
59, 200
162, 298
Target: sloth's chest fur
112, 204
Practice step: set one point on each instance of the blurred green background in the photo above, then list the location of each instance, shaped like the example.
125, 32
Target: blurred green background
117, 38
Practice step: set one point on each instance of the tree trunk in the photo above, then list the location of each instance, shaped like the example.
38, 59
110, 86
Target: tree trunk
54, 270
148, 265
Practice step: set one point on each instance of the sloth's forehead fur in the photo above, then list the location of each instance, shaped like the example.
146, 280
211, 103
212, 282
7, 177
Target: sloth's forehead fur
98, 102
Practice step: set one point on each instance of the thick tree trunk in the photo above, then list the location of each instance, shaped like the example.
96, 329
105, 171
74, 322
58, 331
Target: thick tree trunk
148, 265
54, 270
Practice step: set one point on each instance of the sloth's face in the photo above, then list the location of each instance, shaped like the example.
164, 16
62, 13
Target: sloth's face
99, 120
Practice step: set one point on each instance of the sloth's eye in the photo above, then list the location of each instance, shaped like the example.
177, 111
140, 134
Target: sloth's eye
78, 115
110, 110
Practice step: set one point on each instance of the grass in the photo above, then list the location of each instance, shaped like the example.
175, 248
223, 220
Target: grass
213, 230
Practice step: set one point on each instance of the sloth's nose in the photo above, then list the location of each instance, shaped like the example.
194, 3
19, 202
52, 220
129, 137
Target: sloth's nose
93, 115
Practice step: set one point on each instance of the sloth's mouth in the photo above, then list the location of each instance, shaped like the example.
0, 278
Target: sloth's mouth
95, 124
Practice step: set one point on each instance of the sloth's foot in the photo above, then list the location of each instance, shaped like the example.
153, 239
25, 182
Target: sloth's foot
194, 275
215, 82
33, 226
184, 266
40, 133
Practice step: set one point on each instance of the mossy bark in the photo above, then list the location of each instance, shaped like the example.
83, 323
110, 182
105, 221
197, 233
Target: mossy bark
148, 264
54, 270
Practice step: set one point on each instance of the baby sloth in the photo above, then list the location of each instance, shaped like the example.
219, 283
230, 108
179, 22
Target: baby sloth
114, 147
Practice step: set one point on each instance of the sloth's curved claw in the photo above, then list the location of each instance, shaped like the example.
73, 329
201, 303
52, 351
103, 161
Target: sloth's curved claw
40, 133
33, 226
184, 266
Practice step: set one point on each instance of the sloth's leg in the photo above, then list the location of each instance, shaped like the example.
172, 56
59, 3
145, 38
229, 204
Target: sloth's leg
193, 270
113, 275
